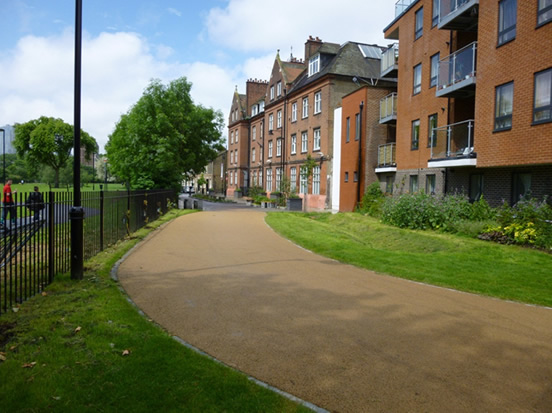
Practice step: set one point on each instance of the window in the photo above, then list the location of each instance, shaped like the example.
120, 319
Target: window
232, 137
231, 178
294, 112
389, 181
521, 186
231, 157
435, 14
346, 176
431, 132
413, 186
254, 177
254, 110
305, 107
236, 136
415, 135
278, 179
316, 140
260, 178
355, 176
293, 179
303, 184
419, 30
236, 157
261, 129
348, 129
504, 104
476, 187
417, 84
261, 106
270, 149
236, 178
542, 108
279, 89
270, 122
271, 92
430, 184
253, 155
254, 133
304, 142
314, 65
544, 13
293, 144
316, 180
507, 16
278, 147
357, 126
279, 119
434, 70
269, 179
317, 102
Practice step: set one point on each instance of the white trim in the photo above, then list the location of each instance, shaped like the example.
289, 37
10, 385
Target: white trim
388, 169
452, 162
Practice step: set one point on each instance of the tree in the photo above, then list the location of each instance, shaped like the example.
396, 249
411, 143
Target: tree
164, 136
49, 141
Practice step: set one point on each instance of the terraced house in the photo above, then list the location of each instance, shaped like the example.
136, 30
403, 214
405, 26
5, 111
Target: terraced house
473, 103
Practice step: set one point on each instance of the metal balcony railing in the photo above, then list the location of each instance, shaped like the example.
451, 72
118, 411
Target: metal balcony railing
458, 67
447, 7
453, 141
401, 6
389, 59
388, 108
458, 15
386, 155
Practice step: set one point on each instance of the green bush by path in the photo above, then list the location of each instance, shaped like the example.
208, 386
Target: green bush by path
82, 347
466, 264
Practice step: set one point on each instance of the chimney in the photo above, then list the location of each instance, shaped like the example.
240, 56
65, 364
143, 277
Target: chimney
311, 47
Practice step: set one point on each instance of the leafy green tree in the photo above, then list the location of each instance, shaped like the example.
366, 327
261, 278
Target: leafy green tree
49, 141
163, 137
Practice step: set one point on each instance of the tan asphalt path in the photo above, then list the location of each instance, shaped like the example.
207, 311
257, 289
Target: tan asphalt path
345, 339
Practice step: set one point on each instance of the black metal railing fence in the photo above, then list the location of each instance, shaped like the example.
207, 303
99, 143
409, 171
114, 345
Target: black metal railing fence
35, 245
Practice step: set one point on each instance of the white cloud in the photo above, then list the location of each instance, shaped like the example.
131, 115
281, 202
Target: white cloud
36, 78
288, 23
174, 11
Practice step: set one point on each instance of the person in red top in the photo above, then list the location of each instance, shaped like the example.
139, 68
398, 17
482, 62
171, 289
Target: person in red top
9, 205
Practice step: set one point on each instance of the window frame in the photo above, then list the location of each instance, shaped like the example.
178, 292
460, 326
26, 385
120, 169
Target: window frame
278, 148
357, 126
431, 137
545, 107
415, 135
545, 10
433, 77
413, 184
431, 181
303, 181
314, 64
346, 177
293, 178
294, 112
272, 92
271, 122
304, 142
305, 111
419, 19
270, 147
316, 174
293, 150
498, 104
316, 139
318, 102
269, 179
347, 129
504, 32
279, 119
279, 89
253, 152
417, 87
435, 16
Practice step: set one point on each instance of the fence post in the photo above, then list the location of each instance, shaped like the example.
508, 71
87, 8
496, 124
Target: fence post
51, 245
101, 219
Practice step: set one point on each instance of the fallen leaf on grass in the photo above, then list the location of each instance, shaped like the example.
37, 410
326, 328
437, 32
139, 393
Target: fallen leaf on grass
126, 352
2, 357
56, 397
78, 329
44, 293
12, 348
29, 365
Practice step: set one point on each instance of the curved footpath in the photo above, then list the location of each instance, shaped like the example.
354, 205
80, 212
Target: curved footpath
342, 338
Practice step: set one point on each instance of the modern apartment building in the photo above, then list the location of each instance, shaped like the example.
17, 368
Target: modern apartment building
473, 109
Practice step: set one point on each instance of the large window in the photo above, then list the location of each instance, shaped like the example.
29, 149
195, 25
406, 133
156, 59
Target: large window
542, 108
294, 112
434, 70
413, 185
389, 181
521, 186
430, 184
417, 80
314, 65
270, 121
507, 17
415, 135
316, 140
270, 149
504, 104
435, 13
317, 102
279, 119
419, 23
278, 179
269, 180
305, 107
278, 147
544, 14
316, 180
303, 184
431, 132
304, 142
476, 187
293, 179
293, 144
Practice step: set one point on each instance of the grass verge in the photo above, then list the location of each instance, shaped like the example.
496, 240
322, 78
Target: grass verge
81, 346
502, 271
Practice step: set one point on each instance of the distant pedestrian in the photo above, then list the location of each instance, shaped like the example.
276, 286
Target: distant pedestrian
9, 205
35, 203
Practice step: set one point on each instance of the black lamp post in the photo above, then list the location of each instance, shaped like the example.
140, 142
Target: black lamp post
76, 214
4, 154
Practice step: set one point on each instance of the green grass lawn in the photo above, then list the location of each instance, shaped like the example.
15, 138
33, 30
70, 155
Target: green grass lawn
81, 346
466, 264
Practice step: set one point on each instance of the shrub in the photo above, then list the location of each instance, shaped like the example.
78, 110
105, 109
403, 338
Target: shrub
372, 201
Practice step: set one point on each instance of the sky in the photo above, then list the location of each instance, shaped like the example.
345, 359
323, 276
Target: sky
216, 44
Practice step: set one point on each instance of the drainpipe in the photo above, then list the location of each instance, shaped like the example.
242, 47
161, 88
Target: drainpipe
361, 109
283, 137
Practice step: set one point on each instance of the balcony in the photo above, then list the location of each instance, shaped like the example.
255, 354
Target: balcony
401, 6
456, 76
389, 62
453, 146
386, 158
388, 109
458, 15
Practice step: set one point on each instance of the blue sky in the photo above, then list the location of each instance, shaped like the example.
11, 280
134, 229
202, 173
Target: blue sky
216, 44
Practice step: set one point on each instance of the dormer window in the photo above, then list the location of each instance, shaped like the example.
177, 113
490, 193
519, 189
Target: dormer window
254, 110
279, 89
314, 65
271, 92
261, 106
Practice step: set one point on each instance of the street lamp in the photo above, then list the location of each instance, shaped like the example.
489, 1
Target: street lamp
4, 154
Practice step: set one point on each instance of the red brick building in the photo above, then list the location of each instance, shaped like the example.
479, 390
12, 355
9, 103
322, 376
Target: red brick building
474, 93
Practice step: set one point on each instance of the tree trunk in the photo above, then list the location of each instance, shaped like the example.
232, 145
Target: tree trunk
56, 178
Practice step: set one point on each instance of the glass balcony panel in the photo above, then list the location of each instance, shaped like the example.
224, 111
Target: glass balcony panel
457, 14
453, 141
386, 155
388, 108
401, 6
389, 61
457, 69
